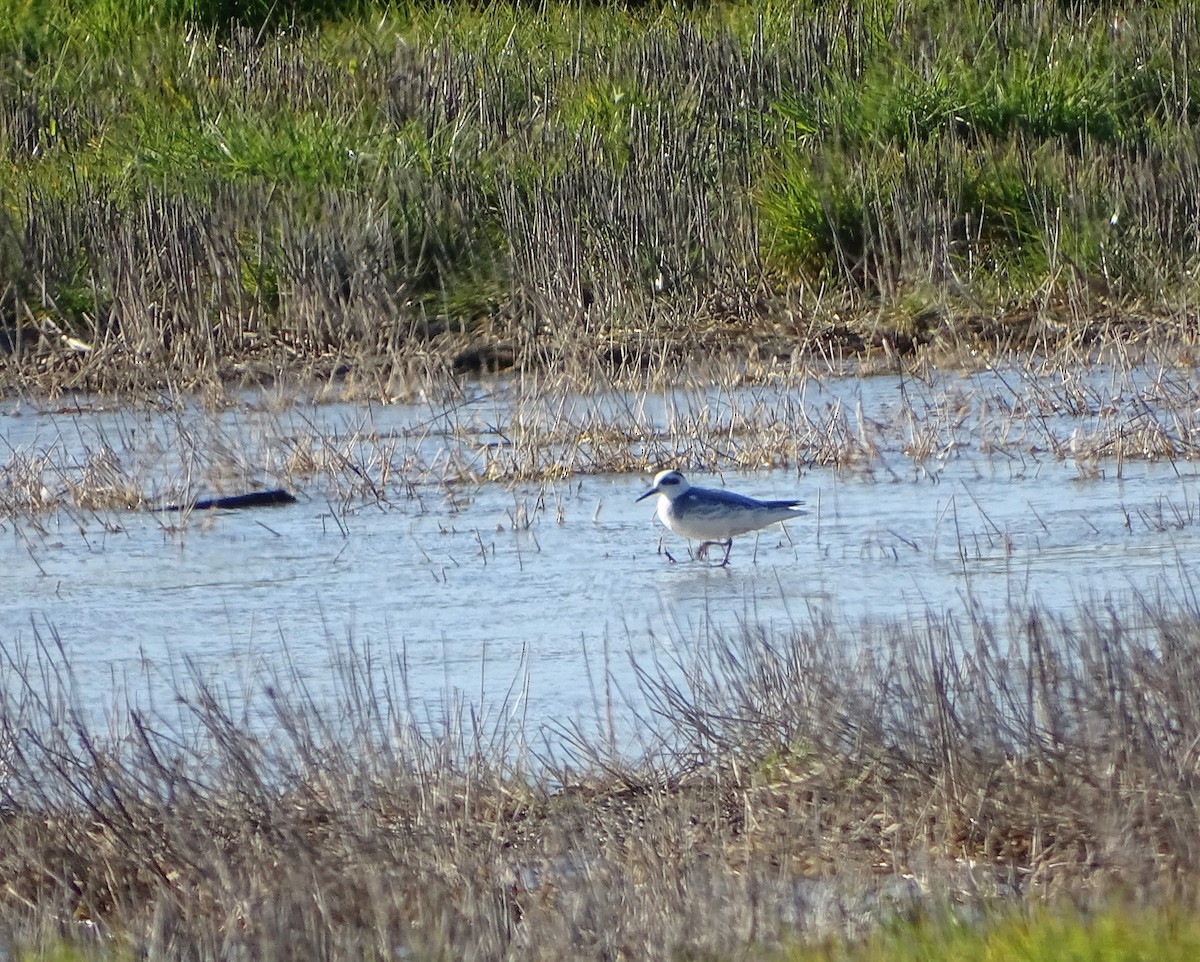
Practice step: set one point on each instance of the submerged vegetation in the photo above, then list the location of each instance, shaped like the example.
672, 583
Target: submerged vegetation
227, 189
95, 462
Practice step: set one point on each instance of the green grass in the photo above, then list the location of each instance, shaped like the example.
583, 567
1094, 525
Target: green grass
1015, 137
786, 160
1040, 935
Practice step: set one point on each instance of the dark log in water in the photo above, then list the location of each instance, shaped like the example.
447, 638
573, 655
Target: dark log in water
255, 499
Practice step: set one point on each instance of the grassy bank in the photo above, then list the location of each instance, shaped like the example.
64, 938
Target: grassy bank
597, 189
813, 793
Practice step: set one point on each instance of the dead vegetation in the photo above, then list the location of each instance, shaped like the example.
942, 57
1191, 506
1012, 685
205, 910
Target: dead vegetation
96, 459
807, 780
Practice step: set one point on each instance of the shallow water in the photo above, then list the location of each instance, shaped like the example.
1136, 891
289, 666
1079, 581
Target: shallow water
533, 601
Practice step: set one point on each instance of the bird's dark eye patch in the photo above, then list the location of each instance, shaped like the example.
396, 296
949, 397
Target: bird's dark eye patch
671, 479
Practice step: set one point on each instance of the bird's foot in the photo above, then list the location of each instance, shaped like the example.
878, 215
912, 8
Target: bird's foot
702, 551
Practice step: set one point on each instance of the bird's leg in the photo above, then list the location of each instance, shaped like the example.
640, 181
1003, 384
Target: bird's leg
728, 548
702, 551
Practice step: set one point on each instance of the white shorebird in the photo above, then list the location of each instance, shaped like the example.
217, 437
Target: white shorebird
713, 516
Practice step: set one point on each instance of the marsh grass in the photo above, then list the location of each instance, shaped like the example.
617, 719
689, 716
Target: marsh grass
215, 194
100, 460
785, 788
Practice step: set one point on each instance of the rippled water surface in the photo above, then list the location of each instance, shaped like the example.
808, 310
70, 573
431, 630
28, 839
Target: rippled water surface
536, 599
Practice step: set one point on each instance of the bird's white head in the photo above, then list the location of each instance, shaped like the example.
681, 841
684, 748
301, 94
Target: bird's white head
670, 484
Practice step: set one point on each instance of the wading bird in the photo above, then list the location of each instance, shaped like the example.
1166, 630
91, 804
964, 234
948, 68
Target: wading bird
713, 516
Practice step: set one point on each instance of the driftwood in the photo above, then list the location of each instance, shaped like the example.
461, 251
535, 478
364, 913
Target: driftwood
255, 499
